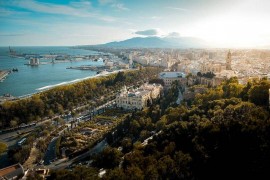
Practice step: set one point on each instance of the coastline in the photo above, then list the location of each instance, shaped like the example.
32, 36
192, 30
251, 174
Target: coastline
46, 88
79, 80
29, 78
33, 80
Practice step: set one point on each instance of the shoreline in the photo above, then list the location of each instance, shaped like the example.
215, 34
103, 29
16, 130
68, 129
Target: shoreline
43, 86
46, 88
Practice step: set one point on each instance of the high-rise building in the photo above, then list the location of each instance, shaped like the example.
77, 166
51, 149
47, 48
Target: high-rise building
229, 61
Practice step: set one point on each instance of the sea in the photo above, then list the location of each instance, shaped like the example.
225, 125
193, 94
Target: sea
32, 79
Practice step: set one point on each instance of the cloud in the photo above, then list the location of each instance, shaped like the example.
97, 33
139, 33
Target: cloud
5, 12
82, 4
79, 9
114, 4
156, 17
148, 32
120, 7
53, 8
177, 8
8, 12
76, 34
12, 34
173, 34
104, 2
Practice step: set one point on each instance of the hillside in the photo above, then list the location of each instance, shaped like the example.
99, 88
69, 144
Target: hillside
157, 42
222, 135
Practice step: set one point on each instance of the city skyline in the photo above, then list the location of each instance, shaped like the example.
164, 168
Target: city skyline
236, 24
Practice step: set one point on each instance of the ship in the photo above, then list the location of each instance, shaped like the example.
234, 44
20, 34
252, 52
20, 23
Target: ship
11, 51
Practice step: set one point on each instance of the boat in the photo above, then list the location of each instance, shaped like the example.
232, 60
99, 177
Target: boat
99, 72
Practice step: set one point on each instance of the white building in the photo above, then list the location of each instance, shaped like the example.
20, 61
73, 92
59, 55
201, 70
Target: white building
137, 99
34, 61
169, 77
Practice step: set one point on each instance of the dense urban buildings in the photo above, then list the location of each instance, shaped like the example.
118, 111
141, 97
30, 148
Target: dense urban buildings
244, 64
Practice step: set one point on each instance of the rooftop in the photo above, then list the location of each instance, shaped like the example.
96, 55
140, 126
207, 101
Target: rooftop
172, 75
13, 171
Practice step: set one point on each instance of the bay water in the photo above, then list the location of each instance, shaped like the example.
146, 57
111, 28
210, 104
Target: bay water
32, 79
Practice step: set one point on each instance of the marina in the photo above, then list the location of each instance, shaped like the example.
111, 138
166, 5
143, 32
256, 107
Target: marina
27, 79
41, 68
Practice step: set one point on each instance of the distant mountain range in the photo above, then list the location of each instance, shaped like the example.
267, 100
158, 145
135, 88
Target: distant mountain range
157, 42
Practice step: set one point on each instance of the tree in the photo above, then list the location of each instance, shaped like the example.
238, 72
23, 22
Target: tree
127, 145
259, 93
3, 147
13, 123
134, 173
108, 158
115, 173
232, 90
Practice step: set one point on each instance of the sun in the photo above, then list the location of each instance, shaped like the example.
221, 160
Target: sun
234, 30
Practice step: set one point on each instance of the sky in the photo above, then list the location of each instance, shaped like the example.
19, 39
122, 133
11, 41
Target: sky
221, 23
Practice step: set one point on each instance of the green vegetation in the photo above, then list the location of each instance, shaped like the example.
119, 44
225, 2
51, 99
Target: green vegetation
41, 136
108, 158
78, 173
3, 147
92, 92
209, 75
88, 133
19, 154
223, 134
255, 91
171, 96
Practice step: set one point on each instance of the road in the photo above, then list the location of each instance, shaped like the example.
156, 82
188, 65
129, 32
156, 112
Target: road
11, 138
180, 97
50, 153
64, 163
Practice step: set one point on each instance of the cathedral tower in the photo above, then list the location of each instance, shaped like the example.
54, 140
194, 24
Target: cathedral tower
229, 61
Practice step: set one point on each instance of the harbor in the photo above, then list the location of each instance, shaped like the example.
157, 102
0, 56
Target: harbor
32, 75
29, 78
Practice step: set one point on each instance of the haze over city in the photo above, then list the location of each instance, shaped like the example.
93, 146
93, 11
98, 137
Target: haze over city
222, 23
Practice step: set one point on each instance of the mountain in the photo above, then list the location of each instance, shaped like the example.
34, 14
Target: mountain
139, 42
157, 42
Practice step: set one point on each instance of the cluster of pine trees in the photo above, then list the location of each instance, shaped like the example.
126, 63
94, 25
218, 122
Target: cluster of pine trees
63, 98
224, 134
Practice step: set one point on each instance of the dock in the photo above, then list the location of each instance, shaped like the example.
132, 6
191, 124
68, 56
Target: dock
92, 68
